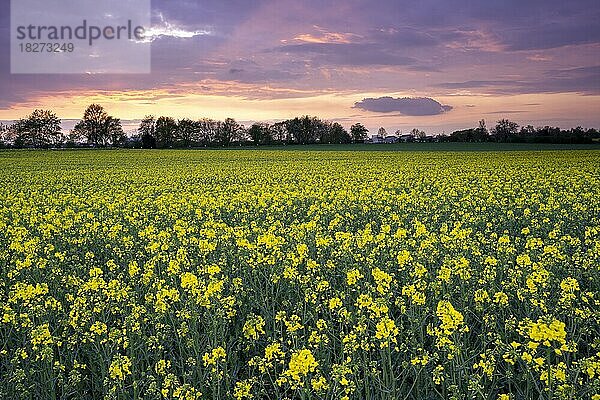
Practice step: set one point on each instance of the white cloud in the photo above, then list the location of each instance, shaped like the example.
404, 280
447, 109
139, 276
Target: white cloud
166, 29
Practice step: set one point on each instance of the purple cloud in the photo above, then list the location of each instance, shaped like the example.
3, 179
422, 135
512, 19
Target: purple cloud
418, 106
585, 80
349, 53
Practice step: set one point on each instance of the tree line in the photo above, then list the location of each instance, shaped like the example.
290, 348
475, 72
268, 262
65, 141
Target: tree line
506, 131
98, 129
166, 132
42, 129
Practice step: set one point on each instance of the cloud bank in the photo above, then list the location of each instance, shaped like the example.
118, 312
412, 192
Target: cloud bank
418, 106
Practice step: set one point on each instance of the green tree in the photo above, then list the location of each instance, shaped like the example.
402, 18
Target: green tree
188, 132
418, 134
93, 126
165, 131
39, 129
229, 132
504, 129
147, 132
358, 132
260, 133
335, 133
208, 129
279, 132
306, 130
99, 128
4, 136
114, 131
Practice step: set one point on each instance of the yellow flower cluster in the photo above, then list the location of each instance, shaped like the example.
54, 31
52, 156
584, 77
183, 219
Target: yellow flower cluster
120, 368
451, 320
547, 332
301, 364
254, 327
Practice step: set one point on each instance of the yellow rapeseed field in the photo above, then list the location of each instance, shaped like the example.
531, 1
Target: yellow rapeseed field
300, 275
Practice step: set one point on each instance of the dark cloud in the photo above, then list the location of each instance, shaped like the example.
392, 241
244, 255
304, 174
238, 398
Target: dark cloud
475, 84
349, 53
248, 71
519, 25
551, 36
418, 106
585, 80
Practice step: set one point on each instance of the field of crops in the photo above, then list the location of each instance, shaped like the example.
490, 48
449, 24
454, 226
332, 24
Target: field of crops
299, 275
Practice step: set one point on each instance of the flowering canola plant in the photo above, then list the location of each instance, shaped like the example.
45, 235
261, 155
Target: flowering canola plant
299, 275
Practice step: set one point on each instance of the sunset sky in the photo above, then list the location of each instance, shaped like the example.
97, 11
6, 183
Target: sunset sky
434, 65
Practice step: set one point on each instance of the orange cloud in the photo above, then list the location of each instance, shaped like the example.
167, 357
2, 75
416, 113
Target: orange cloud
324, 36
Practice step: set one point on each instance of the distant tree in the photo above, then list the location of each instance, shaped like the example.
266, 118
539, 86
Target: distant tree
188, 132
418, 134
527, 130
548, 131
382, 132
98, 128
260, 133
268, 136
147, 132
306, 130
114, 132
592, 133
3, 132
317, 129
148, 142
241, 135
256, 133
279, 132
165, 131
40, 129
358, 132
465, 135
208, 130
228, 132
481, 132
294, 128
93, 126
334, 133
482, 126
73, 139
4, 136
505, 129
